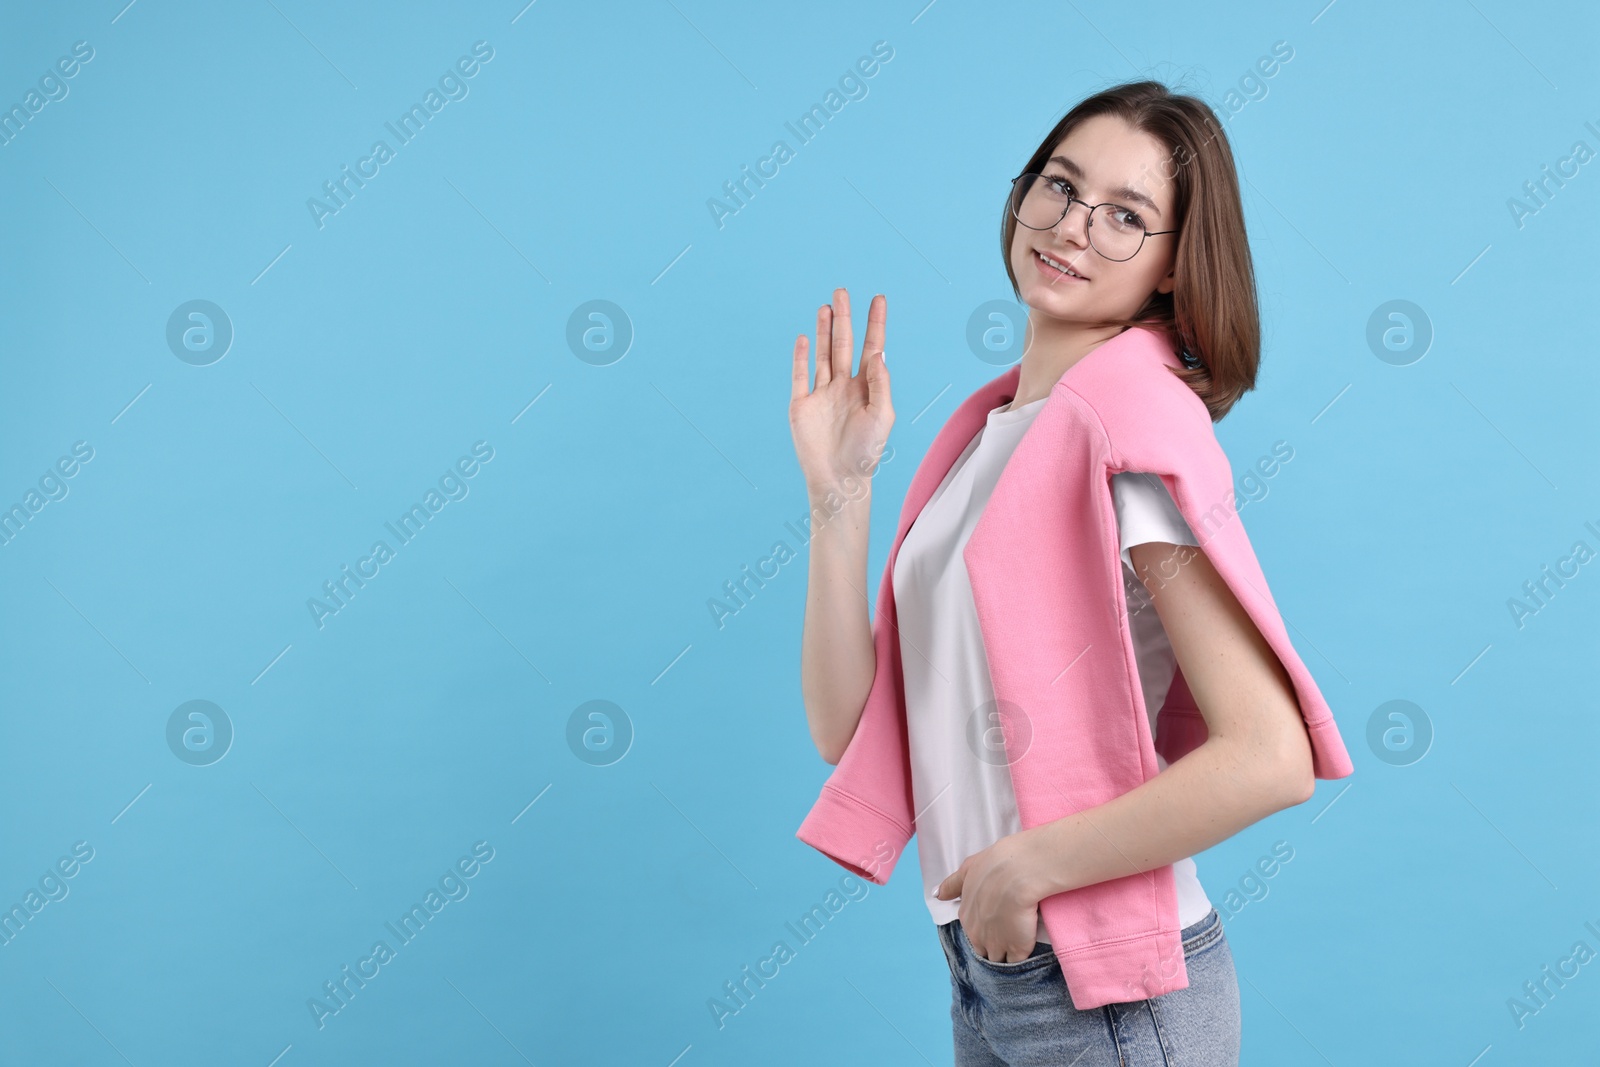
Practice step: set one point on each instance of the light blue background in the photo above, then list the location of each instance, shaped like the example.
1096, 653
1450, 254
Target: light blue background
432, 310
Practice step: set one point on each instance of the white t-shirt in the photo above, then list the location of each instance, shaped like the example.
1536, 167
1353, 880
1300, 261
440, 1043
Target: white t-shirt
961, 783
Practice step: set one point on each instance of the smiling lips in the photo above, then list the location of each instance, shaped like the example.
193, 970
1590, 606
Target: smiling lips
1056, 269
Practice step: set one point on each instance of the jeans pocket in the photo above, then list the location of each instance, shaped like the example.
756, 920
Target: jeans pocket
947, 944
1202, 935
1042, 956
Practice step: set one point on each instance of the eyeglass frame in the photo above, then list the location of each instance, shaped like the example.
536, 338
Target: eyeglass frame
1087, 226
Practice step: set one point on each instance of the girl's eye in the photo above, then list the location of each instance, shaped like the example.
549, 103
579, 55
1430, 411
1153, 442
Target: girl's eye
1123, 216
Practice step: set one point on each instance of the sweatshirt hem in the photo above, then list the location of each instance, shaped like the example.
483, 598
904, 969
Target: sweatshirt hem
855, 834
1330, 759
1130, 969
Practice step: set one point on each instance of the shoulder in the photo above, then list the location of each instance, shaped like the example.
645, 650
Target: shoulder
1149, 415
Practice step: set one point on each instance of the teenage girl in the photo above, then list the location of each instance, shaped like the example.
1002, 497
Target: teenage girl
1128, 213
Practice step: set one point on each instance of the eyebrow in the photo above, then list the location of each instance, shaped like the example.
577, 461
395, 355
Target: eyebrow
1126, 192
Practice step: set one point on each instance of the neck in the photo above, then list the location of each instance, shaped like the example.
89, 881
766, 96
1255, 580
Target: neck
1050, 349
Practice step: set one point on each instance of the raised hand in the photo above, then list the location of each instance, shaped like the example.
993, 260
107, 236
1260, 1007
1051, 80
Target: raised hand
841, 426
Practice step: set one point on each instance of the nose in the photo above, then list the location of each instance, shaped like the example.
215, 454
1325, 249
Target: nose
1079, 232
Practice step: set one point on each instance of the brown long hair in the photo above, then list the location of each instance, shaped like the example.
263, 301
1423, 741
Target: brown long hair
1212, 314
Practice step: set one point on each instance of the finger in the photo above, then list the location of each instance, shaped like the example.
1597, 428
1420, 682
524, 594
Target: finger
843, 343
800, 383
824, 345
873, 364
978, 949
877, 316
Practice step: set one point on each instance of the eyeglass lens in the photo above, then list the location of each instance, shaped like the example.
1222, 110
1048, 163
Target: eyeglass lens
1039, 203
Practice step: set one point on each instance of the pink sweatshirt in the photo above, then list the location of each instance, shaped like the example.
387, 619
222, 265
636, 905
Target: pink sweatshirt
1046, 577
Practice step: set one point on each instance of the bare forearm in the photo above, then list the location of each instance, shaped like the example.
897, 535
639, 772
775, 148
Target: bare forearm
837, 660
1206, 797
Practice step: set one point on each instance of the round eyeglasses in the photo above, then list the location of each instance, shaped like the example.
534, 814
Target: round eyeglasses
1040, 203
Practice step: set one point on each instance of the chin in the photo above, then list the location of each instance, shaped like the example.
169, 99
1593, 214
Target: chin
1049, 301
1059, 315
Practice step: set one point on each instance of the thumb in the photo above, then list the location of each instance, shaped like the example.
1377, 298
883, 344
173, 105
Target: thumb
950, 888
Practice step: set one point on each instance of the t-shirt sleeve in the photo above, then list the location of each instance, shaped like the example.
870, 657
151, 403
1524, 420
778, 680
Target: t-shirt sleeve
1146, 512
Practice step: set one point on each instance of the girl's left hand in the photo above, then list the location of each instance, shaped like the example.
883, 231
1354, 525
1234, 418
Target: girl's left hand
999, 908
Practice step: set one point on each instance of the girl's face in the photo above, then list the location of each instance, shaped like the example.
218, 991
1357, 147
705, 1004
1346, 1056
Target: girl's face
1103, 159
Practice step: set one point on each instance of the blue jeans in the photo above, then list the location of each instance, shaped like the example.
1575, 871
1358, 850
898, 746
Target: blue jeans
1021, 1015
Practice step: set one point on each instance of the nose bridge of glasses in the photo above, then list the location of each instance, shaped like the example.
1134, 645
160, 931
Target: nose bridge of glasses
1066, 209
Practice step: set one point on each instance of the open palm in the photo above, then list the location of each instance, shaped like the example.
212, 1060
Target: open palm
841, 425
